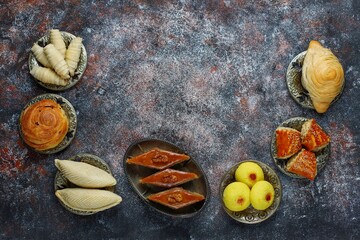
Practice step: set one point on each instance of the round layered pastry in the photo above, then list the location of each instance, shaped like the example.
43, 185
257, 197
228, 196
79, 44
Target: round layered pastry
44, 124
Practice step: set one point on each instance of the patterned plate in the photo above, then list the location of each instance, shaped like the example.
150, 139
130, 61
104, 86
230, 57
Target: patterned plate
69, 111
43, 41
61, 182
135, 173
293, 81
251, 215
321, 157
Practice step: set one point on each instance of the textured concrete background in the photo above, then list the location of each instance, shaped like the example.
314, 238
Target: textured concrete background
208, 76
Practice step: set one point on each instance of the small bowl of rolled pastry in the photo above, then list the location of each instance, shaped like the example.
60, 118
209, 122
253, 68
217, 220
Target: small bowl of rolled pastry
57, 60
315, 78
300, 147
84, 184
47, 124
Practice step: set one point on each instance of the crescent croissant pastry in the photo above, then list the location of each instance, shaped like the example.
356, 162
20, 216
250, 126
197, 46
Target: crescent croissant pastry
44, 124
322, 76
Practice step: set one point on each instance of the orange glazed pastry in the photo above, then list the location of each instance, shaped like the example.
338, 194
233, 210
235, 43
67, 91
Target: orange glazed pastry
176, 198
169, 178
44, 124
158, 159
313, 137
288, 142
303, 164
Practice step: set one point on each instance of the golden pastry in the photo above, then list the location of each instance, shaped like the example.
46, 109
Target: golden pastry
322, 76
288, 142
44, 124
303, 164
313, 137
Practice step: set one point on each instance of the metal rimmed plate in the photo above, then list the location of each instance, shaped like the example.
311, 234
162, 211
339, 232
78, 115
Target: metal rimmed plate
293, 81
70, 113
43, 41
322, 156
61, 182
251, 215
135, 173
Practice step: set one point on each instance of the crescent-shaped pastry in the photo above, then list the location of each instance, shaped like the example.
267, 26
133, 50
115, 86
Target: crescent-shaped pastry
84, 175
322, 76
44, 124
83, 199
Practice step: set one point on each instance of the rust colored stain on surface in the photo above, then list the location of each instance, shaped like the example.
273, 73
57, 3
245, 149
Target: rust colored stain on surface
9, 164
208, 76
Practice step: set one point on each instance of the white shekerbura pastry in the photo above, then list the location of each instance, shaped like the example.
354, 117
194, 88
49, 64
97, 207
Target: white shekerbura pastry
82, 199
322, 76
84, 175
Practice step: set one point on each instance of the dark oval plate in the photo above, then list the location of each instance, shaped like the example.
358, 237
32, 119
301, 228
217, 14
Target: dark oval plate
43, 41
135, 173
293, 81
61, 182
251, 215
69, 111
322, 156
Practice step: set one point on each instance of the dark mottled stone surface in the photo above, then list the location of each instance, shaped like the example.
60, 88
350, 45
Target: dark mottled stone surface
208, 76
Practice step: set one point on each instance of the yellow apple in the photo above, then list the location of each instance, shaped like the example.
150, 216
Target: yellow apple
262, 195
249, 173
236, 196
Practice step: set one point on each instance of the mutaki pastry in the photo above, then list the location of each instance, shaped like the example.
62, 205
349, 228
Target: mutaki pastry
44, 124
303, 164
82, 199
322, 76
313, 137
84, 175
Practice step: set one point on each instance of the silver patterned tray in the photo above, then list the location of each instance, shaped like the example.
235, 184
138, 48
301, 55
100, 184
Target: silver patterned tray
43, 41
251, 215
